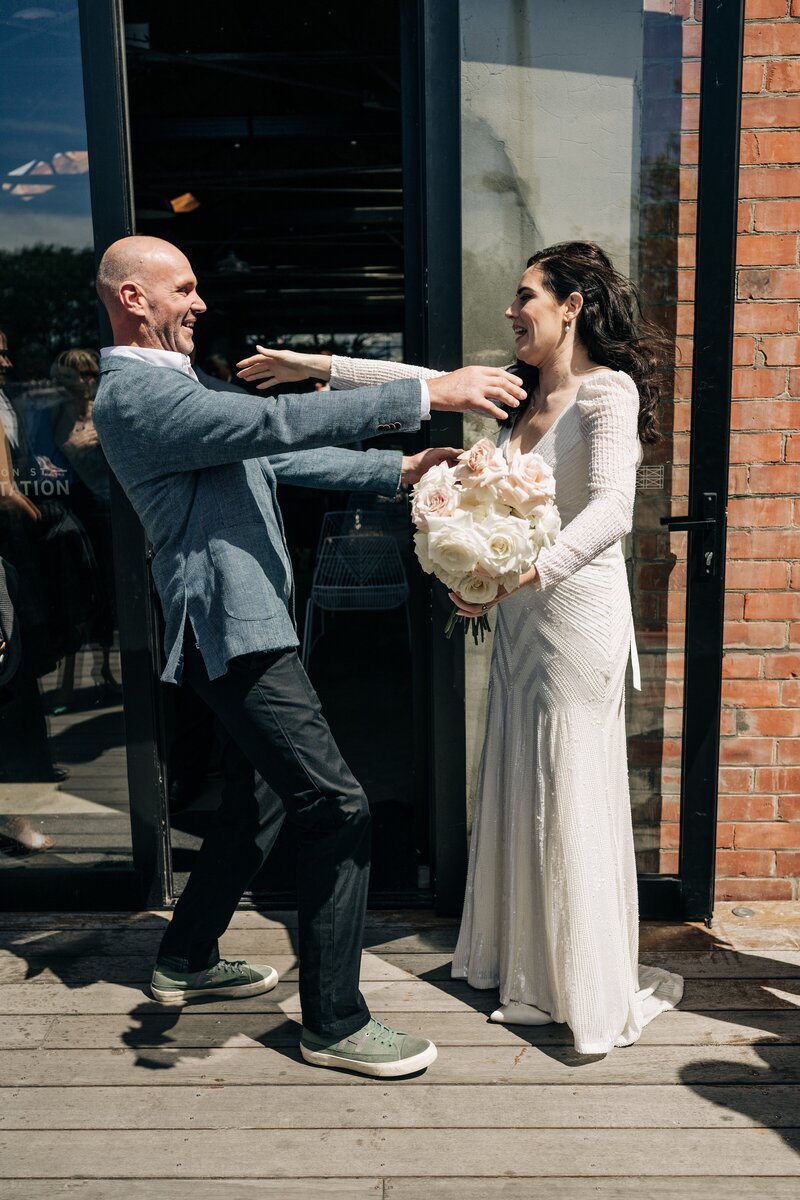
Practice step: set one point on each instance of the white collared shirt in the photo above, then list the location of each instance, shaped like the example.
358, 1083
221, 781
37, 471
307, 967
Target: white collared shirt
157, 358
176, 361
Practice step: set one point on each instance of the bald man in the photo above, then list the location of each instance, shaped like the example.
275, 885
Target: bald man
200, 468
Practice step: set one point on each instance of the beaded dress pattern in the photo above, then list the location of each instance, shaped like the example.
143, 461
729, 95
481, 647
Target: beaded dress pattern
551, 910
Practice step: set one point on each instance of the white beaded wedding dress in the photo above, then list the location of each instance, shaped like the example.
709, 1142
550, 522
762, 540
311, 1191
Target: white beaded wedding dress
551, 909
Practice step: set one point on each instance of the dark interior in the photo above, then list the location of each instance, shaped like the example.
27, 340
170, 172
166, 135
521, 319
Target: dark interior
267, 144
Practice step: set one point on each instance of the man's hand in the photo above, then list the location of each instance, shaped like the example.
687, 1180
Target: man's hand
415, 465
473, 389
283, 366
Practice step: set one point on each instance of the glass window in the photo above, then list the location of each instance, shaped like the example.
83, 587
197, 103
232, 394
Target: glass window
579, 121
63, 781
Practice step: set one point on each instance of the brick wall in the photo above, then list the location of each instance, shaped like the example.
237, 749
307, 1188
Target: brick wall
759, 826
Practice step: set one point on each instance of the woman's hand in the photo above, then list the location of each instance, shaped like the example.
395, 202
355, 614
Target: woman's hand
466, 609
415, 465
283, 366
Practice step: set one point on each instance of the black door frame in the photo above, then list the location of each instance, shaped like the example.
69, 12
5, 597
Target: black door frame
431, 65
690, 893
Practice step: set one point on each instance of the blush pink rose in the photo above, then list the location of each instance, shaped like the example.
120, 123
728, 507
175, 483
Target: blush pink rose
482, 466
436, 495
529, 485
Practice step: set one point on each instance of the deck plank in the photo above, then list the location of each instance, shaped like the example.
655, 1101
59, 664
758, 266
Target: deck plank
284, 1153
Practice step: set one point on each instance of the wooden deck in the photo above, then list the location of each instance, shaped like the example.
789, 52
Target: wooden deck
107, 1095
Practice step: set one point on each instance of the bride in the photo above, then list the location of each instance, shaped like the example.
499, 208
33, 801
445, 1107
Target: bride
551, 910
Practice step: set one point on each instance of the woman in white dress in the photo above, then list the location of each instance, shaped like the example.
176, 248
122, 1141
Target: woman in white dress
551, 908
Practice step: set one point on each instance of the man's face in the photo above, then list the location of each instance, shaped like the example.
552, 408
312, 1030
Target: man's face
171, 303
5, 362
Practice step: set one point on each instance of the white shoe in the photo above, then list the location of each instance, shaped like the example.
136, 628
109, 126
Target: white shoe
520, 1014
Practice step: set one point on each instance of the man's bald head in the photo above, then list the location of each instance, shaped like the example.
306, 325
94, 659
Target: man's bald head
149, 291
133, 258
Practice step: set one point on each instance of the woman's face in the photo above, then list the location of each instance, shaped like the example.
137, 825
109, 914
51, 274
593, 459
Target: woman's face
537, 319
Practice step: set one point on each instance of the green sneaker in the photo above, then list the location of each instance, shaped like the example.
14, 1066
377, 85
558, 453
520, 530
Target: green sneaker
232, 979
374, 1050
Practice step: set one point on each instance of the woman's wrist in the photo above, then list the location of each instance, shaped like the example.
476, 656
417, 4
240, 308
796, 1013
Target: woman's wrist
318, 366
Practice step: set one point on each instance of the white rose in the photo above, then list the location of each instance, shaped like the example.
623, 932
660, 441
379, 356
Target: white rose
477, 590
481, 466
508, 548
529, 485
547, 527
481, 502
454, 544
436, 495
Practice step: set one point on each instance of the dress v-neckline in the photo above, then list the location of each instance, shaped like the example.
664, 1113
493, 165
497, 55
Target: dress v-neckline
567, 408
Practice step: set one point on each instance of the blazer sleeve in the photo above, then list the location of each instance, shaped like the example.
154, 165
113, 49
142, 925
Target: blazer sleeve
609, 409
341, 470
176, 424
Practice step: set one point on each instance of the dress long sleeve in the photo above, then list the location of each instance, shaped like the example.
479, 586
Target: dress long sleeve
608, 406
370, 372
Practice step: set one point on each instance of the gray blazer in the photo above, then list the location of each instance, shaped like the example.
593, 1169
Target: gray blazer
200, 469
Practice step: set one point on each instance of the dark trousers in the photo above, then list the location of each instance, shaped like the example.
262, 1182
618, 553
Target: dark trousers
279, 758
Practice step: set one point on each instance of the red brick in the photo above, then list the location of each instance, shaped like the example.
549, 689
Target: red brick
734, 606
757, 448
772, 722
794, 381
770, 112
759, 318
787, 862
783, 76
770, 146
780, 351
745, 216
746, 750
736, 779
754, 9
755, 383
751, 693
752, 77
772, 414
746, 862
693, 40
766, 249
762, 634
775, 780
759, 512
789, 751
727, 722
768, 835
769, 543
771, 480
761, 283
771, 606
793, 448
767, 575
747, 808
741, 666
724, 836
782, 666
777, 215
687, 218
770, 183
753, 889
789, 808
771, 40
744, 350
790, 694
690, 79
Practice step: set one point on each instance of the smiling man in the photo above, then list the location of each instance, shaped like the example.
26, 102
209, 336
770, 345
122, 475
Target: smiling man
200, 469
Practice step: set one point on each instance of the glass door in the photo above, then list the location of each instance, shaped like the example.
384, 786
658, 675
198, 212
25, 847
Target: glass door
585, 121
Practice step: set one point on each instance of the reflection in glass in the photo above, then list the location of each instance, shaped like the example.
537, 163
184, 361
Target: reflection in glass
63, 789
584, 127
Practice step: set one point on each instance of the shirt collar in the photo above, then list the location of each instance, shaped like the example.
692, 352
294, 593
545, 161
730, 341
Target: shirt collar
172, 359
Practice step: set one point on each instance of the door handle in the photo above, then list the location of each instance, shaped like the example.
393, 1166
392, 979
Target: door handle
708, 525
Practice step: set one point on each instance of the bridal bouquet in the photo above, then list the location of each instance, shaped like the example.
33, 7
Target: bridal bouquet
481, 523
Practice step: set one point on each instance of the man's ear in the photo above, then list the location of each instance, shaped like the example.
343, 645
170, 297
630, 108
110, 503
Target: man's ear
131, 298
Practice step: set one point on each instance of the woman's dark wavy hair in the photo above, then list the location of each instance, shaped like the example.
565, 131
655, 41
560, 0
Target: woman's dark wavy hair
610, 325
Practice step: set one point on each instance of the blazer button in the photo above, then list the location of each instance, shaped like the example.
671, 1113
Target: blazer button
384, 428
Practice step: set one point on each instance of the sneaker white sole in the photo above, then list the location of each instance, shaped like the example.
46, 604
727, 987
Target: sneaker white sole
383, 1070
233, 992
